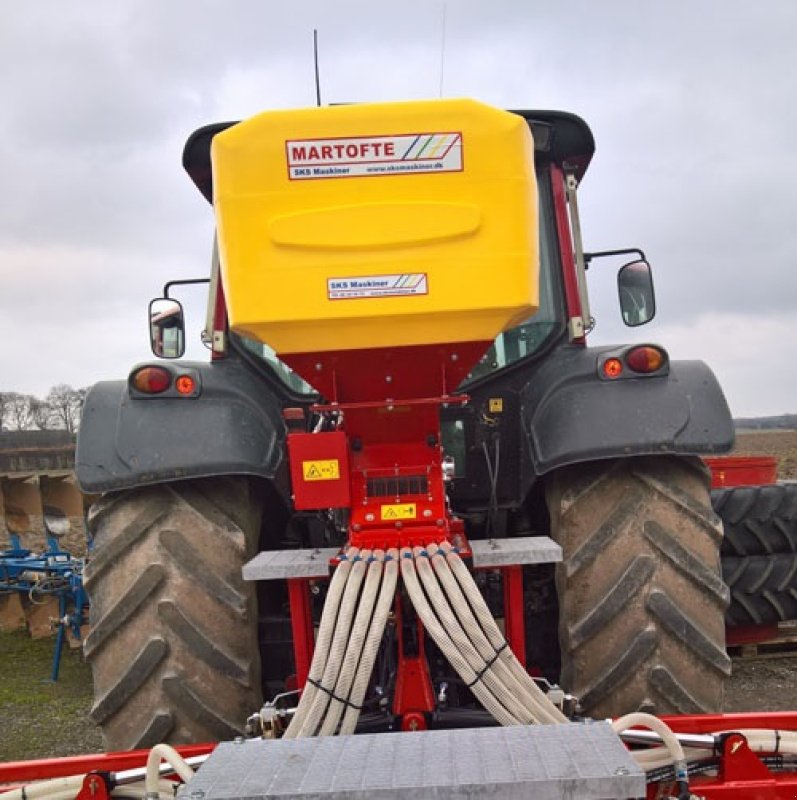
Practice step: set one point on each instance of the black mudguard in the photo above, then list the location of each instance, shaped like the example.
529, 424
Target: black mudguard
232, 427
570, 414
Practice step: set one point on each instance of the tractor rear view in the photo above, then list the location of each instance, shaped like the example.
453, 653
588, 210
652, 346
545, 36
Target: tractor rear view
403, 484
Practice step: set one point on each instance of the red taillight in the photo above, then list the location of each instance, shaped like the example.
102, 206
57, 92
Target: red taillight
645, 359
185, 384
612, 368
152, 380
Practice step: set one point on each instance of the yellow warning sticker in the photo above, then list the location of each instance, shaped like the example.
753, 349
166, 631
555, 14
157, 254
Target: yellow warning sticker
399, 511
496, 405
321, 470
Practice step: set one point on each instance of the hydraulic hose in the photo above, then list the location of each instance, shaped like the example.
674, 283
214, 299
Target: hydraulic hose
678, 758
340, 641
166, 753
354, 647
446, 645
52, 789
323, 642
387, 593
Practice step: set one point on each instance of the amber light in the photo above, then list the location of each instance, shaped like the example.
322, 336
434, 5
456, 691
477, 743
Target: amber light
152, 380
612, 368
185, 384
645, 359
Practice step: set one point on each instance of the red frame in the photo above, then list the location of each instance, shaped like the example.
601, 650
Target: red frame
42, 769
566, 252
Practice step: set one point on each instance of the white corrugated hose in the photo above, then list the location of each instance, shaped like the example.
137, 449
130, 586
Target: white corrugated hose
453, 612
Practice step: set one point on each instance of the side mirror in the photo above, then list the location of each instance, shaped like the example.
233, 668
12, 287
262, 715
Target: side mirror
637, 300
166, 328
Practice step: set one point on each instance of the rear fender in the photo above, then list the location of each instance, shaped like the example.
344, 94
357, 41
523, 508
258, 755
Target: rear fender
232, 426
570, 414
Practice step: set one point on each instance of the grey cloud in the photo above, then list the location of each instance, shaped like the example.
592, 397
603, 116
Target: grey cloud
691, 105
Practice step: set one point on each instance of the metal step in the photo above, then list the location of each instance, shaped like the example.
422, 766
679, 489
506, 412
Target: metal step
515, 550
544, 762
282, 564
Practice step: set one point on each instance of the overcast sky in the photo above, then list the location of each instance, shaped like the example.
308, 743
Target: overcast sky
693, 105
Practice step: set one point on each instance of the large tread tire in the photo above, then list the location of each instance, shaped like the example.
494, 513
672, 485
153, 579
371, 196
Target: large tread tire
173, 638
641, 597
758, 520
763, 588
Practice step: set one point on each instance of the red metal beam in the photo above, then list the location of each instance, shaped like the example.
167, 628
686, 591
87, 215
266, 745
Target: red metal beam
513, 611
40, 769
301, 627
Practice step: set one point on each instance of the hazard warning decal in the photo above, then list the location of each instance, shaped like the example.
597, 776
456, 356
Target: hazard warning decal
377, 286
373, 156
321, 470
398, 511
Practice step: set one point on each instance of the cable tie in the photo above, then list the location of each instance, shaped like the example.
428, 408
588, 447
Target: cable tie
332, 694
388, 557
371, 559
406, 555
356, 559
424, 553
343, 557
454, 550
777, 741
493, 659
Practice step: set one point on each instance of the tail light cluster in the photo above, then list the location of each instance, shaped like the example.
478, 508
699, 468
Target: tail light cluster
150, 380
646, 359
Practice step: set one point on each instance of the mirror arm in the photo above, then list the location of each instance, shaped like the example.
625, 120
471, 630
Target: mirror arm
184, 282
604, 253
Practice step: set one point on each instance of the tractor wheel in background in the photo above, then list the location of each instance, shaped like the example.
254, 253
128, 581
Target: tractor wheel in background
173, 640
641, 597
758, 520
763, 588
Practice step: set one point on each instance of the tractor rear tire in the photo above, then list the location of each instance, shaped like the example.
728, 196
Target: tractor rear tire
641, 597
173, 639
758, 520
763, 589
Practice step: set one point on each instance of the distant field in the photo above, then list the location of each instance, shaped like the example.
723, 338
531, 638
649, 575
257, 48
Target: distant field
779, 443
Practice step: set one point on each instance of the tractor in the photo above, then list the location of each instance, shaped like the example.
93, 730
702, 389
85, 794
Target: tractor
397, 323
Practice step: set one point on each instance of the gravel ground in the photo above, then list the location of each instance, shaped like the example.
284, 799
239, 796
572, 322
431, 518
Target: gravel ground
762, 684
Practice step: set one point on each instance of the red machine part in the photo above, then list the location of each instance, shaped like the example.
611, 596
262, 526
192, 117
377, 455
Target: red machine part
741, 774
319, 465
383, 459
414, 696
742, 470
514, 622
96, 786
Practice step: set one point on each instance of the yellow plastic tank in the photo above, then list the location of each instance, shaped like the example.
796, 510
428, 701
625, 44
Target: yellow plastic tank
377, 225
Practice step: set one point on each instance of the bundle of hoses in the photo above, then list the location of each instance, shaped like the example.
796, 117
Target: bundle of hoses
454, 614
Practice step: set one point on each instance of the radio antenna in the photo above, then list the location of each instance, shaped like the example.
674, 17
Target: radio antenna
443, 49
315, 59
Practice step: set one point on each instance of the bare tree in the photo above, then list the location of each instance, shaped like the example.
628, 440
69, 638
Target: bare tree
3, 404
17, 411
41, 414
65, 404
